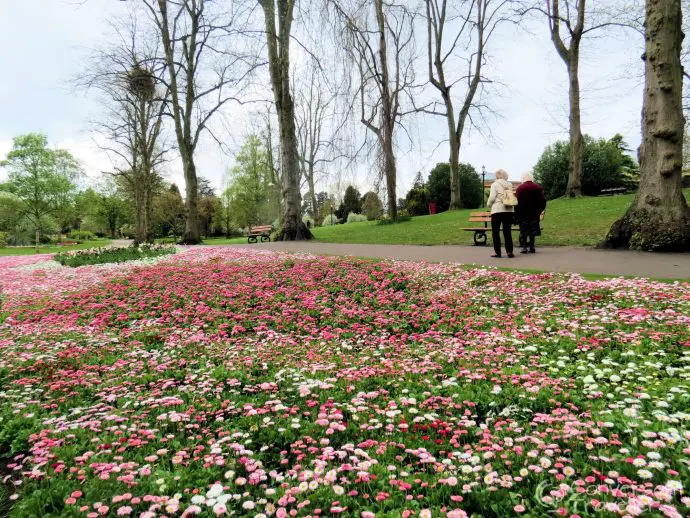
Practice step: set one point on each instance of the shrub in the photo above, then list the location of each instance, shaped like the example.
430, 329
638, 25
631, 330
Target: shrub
3, 239
372, 206
82, 235
417, 201
353, 217
112, 255
329, 220
308, 221
605, 164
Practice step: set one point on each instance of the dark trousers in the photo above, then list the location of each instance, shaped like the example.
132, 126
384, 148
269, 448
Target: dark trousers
504, 219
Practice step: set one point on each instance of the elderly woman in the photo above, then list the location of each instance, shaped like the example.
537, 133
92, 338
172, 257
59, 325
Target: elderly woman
501, 214
531, 203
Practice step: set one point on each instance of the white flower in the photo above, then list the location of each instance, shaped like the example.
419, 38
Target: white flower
198, 500
249, 505
215, 491
338, 490
643, 473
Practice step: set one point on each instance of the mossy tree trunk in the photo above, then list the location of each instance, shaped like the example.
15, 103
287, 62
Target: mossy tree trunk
659, 218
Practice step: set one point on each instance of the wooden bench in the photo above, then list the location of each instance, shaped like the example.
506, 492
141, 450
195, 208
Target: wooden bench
262, 232
613, 190
480, 238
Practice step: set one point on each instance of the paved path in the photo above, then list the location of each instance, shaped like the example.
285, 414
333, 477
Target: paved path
556, 259
117, 243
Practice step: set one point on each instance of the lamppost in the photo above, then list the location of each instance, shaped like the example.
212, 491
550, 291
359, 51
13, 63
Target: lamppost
483, 187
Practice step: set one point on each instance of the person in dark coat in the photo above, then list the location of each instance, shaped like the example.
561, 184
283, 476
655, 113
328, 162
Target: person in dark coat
531, 203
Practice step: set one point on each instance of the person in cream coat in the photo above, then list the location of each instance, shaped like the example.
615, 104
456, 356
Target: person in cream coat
501, 215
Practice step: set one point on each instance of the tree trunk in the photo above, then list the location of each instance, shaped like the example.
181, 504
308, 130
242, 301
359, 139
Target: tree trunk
38, 238
659, 218
292, 229
140, 216
574, 187
191, 232
455, 196
390, 171
312, 193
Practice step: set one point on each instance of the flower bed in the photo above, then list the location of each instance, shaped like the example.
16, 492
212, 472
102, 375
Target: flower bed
226, 381
112, 255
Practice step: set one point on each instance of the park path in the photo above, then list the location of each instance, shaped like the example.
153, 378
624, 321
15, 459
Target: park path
552, 259
117, 243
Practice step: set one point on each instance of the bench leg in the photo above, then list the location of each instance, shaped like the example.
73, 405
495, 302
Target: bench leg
480, 238
251, 239
265, 238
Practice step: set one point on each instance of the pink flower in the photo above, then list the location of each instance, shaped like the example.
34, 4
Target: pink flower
519, 508
124, 511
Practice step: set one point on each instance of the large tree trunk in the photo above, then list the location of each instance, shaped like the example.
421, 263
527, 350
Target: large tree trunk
191, 235
38, 238
140, 210
455, 196
574, 187
659, 218
390, 171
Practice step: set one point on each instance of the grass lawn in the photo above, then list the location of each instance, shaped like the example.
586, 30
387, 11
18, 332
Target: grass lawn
52, 249
568, 222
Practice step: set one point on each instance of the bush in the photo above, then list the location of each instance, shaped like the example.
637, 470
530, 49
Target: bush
329, 220
82, 235
438, 186
605, 164
372, 206
417, 201
112, 255
3, 239
353, 217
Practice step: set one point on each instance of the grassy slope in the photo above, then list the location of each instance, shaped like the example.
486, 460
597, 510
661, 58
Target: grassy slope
568, 222
29, 250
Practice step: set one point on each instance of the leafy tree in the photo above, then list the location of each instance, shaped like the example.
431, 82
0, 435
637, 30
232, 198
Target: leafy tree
372, 206
606, 164
204, 187
252, 193
417, 201
42, 179
168, 213
352, 202
210, 212
438, 186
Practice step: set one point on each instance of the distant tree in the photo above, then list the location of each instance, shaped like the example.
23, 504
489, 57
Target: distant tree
40, 178
372, 206
438, 186
605, 164
169, 213
417, 201
205, 188
352, 202
210, 211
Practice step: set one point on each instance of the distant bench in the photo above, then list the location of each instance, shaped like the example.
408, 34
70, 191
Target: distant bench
262, 232
613, 190
480, 232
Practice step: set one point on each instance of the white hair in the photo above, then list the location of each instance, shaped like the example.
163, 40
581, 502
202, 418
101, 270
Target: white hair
527, 177
501, 175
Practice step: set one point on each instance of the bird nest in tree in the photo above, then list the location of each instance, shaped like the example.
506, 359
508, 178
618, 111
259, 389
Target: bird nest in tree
141, 82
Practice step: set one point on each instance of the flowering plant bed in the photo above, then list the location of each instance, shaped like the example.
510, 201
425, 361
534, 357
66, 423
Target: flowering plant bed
112, 255
248, 383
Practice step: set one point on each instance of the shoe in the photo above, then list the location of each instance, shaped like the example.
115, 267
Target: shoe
532, 251
511, 255
524, 251
497, 256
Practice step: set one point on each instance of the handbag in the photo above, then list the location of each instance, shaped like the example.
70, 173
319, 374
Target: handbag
508, 198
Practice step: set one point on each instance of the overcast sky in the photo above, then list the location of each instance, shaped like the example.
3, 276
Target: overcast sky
45, 44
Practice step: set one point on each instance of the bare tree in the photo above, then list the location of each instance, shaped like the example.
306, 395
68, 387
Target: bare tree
205, 71
472, 23
570, 21
132, 93
278, 18
659, 218
318, 125
380, 42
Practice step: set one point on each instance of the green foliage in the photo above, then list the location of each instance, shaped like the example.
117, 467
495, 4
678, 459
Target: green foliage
330, 219
417, 201
438, 186
82, 235
3, 239
352, 202
254, 193
353, 217
112, 255
372, 206
40, 178
606, 164
471, 189
308, 221
168, 213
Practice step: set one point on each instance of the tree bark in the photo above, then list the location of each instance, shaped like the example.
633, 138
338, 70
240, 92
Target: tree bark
292, 227
574, 187
659, 217
192, 235
38, 238
454, 160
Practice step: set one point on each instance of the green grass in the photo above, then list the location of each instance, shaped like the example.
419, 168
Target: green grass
52, 249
